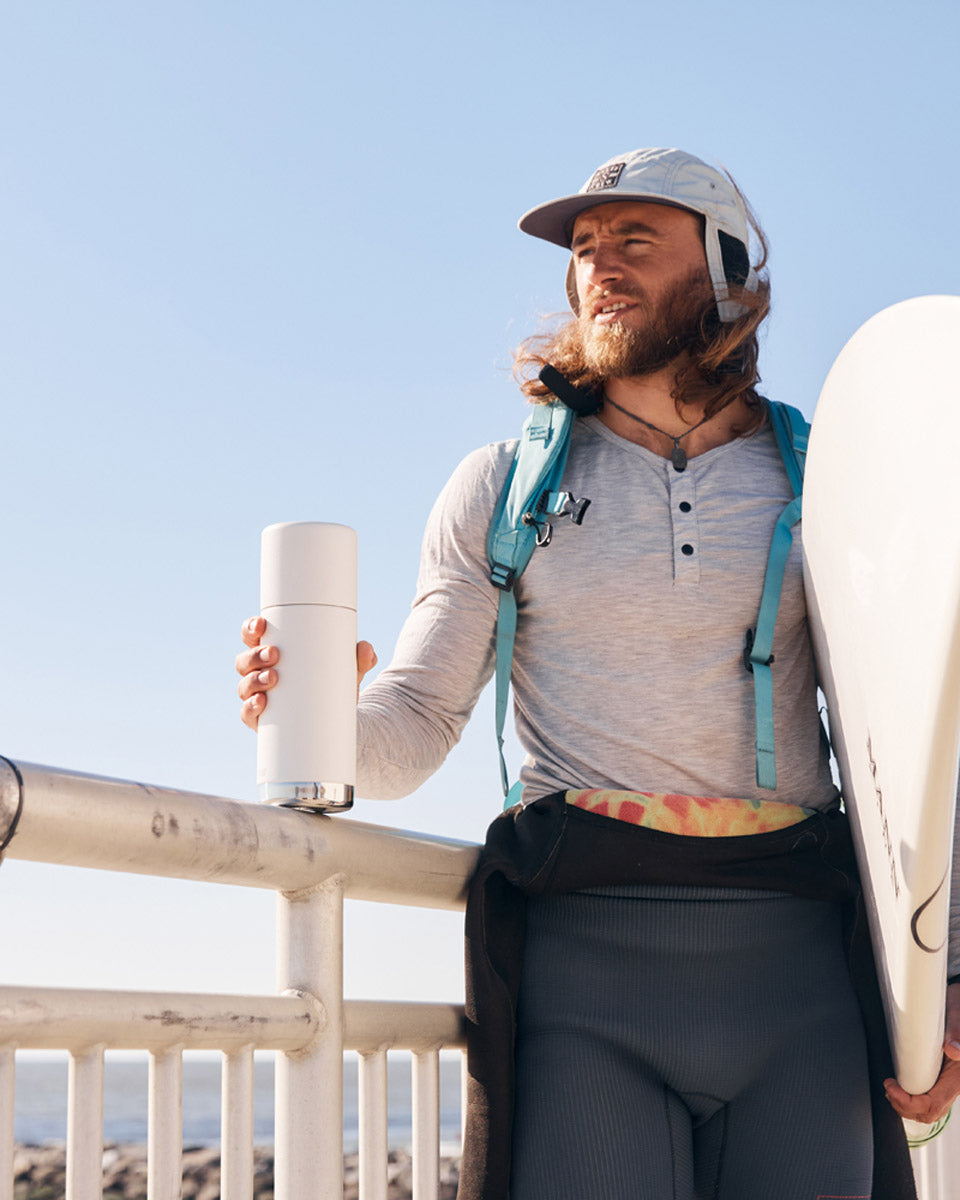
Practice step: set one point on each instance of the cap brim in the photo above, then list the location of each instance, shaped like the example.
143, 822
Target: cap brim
554, 220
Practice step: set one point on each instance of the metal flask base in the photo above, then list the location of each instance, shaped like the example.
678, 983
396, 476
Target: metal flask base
309, 797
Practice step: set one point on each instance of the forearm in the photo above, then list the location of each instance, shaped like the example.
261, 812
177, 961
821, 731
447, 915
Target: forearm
410, 718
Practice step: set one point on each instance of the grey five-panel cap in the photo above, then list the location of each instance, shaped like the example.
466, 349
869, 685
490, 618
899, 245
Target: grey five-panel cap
663, 177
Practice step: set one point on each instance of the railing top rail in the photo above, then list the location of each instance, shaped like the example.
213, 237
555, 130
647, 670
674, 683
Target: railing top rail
76, 1018
59, 816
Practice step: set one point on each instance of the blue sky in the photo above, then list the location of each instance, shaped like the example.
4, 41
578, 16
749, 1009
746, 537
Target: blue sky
260, 263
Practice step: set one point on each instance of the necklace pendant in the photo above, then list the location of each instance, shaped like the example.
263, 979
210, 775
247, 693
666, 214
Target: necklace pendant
678, 456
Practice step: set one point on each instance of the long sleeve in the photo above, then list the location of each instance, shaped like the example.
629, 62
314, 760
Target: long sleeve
410, 718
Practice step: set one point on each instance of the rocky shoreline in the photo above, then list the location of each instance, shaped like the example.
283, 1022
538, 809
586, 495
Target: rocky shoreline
40, 1171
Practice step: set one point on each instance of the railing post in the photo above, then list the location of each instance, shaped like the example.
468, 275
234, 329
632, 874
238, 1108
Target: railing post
372, 1080
309, 1095
85, 1125
165, 1125
426, 1133
7, 1098
236, 1125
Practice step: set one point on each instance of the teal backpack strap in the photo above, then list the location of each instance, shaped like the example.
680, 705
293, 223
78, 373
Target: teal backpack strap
520, 523
791, 430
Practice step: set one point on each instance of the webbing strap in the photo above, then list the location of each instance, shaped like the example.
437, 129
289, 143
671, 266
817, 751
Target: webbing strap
537, 468
792, 432
761, 653
506, 635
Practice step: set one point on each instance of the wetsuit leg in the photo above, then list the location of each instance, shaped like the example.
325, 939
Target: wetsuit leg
695, 1031
590, 1122
588, 1126
800, 1128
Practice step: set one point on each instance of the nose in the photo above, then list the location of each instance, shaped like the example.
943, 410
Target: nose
602, 268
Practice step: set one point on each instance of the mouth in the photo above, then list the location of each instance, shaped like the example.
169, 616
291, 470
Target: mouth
609, 312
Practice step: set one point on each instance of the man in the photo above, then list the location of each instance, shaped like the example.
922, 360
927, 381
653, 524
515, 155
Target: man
680, 1031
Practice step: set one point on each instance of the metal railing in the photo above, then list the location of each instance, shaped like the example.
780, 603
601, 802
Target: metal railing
312, 863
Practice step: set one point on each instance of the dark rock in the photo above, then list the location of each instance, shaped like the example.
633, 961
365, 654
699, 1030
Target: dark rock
40, 1173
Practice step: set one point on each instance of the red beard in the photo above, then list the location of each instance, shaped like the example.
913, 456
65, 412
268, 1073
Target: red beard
674, 324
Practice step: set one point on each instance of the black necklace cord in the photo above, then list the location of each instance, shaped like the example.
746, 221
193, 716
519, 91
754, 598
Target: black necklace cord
678, 456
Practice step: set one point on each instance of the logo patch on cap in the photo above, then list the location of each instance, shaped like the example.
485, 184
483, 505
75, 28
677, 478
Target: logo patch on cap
606, 177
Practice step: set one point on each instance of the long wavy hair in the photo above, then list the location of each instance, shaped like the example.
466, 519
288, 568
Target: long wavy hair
720, 365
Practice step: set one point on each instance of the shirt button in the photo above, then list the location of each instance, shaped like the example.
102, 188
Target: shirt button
687, 549
685, 505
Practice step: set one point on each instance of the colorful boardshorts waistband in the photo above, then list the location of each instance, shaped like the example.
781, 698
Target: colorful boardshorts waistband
690, 816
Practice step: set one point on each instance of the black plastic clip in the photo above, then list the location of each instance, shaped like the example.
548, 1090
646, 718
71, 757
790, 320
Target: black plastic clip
574, 509
502, 577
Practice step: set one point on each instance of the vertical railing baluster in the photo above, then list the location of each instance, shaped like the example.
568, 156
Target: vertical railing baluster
309, 1098
165, 1125
85, 1125
373, 1125
8, 1071
921, 1176
426, 1125
236, 1125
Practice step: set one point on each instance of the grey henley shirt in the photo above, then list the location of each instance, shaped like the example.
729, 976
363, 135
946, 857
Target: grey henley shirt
628, 668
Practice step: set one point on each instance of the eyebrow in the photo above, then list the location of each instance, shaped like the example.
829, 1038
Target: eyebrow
622, 228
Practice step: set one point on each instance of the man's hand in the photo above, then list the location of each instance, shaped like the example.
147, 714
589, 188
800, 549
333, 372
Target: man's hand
256, 666
933, 1105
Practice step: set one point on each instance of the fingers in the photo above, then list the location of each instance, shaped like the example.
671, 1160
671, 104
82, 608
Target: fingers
252, 630
366, 659
250, 662
252, 687
251, 709
930, 1106
255, 665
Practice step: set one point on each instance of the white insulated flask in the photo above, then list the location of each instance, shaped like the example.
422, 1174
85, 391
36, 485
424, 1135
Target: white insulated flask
307, 735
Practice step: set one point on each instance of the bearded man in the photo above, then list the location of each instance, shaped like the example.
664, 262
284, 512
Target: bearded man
669, 943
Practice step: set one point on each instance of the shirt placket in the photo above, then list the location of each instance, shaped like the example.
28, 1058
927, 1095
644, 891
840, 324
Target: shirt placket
685, 526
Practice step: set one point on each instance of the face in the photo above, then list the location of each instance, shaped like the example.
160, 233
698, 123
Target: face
642, 283
632, 249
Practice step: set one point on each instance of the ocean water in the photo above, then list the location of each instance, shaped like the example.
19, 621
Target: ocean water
41, 1101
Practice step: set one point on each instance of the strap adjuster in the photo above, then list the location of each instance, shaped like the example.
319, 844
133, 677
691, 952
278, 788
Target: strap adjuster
502, 576
748, 660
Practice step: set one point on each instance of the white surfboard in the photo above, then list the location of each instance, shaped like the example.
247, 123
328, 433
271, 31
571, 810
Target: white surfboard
881, 534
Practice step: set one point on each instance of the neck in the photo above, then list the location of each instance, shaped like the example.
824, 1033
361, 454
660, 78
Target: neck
649, 397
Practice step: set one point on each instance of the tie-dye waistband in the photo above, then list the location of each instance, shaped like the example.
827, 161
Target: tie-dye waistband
691, 816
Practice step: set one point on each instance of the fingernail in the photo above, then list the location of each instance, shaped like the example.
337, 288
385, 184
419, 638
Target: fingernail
263, 677
955, 1045
252, 625
264, 654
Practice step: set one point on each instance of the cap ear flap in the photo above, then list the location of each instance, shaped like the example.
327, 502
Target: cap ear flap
572, 294
735, 258
728, 261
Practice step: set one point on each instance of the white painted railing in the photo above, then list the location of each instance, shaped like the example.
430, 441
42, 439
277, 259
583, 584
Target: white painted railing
312, 862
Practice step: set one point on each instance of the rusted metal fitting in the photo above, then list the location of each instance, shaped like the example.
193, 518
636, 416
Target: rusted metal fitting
11, 802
